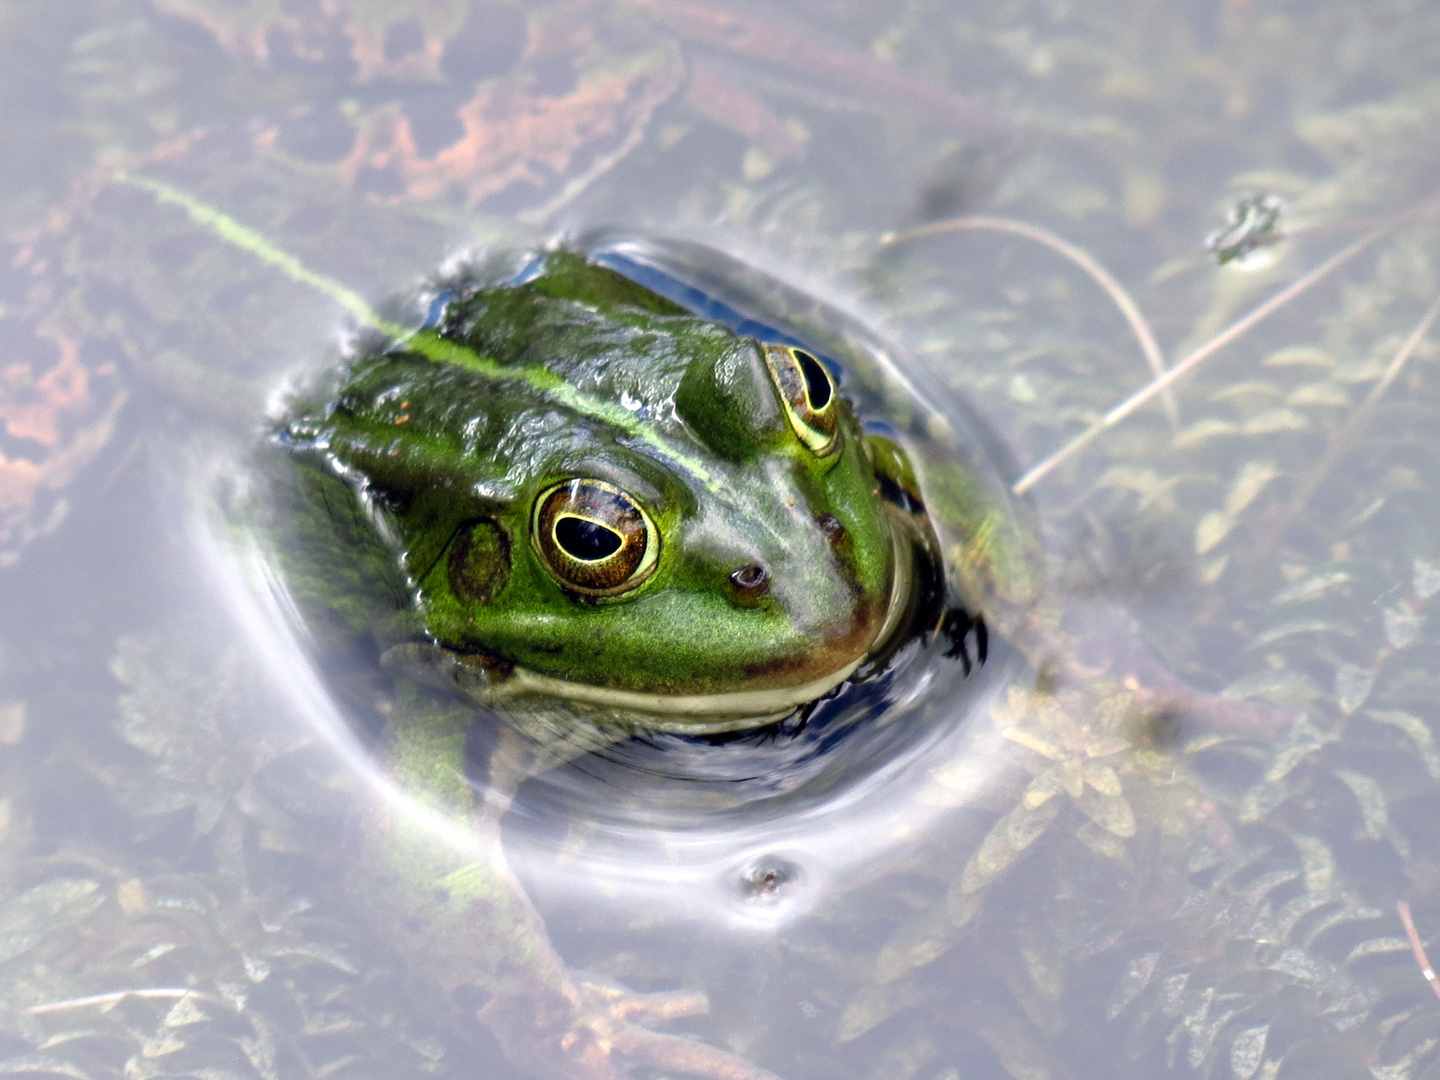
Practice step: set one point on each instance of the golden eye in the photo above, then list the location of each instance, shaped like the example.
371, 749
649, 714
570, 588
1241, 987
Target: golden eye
808, 394
594, 537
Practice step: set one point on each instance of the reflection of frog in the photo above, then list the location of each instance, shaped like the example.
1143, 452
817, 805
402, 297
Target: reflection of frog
597, 513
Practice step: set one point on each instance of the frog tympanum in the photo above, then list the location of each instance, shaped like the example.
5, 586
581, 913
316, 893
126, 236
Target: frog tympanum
594, 499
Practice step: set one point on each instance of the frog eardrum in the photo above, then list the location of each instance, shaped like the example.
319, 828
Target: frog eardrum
594, 538
808, 395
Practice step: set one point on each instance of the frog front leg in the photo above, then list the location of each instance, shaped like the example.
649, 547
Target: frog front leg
434, 869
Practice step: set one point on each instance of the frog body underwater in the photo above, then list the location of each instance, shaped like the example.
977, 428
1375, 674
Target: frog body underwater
599, 514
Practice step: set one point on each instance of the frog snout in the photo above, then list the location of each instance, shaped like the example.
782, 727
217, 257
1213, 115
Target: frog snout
751, 581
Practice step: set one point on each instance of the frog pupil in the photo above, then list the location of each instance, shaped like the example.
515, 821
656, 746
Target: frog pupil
817, 382
586, 540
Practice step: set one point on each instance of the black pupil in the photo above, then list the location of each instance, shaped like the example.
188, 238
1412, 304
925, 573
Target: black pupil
586, 540
817, 382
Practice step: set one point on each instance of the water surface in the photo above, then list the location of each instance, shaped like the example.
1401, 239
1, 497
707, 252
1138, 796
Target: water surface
176, 815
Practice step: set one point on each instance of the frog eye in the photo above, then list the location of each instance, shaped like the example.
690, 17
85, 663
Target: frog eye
594, 537
808, 394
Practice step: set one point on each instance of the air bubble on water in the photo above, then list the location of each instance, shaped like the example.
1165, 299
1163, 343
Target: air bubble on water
767, 879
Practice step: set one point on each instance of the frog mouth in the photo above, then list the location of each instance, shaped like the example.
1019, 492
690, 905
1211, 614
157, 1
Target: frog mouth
517, 690
699, 714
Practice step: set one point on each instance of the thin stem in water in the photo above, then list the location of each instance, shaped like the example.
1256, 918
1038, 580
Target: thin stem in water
1204, 352
1417, 946
161, 993
1081, 258
1346, 437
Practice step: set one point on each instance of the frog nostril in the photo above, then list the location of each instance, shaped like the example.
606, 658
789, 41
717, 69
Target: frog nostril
749, 582
831, 527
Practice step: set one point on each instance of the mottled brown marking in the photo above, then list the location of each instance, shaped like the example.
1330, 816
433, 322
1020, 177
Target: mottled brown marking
479, 563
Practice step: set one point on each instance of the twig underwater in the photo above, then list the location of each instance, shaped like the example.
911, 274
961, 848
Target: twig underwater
1377, 228
1235, 330
1107, 281
1343, 439
1417, 946
114, 997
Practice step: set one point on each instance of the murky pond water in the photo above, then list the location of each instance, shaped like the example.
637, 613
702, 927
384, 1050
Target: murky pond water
1189, 841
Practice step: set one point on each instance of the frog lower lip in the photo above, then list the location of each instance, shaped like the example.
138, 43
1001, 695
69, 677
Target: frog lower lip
692, 713
518, 689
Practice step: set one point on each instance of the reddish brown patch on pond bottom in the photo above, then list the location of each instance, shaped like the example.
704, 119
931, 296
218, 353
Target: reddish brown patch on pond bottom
54, 422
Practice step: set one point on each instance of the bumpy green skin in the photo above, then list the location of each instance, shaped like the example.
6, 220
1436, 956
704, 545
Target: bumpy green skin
451, 456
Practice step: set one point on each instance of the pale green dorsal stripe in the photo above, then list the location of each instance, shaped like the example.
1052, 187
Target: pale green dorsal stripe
425, 342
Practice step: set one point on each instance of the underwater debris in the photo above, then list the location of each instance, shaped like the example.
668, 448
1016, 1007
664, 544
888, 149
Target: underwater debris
1253, 223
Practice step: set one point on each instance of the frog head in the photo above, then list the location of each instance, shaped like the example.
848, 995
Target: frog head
598, 496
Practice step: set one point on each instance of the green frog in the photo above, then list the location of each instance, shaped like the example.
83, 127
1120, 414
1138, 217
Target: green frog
600, 513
